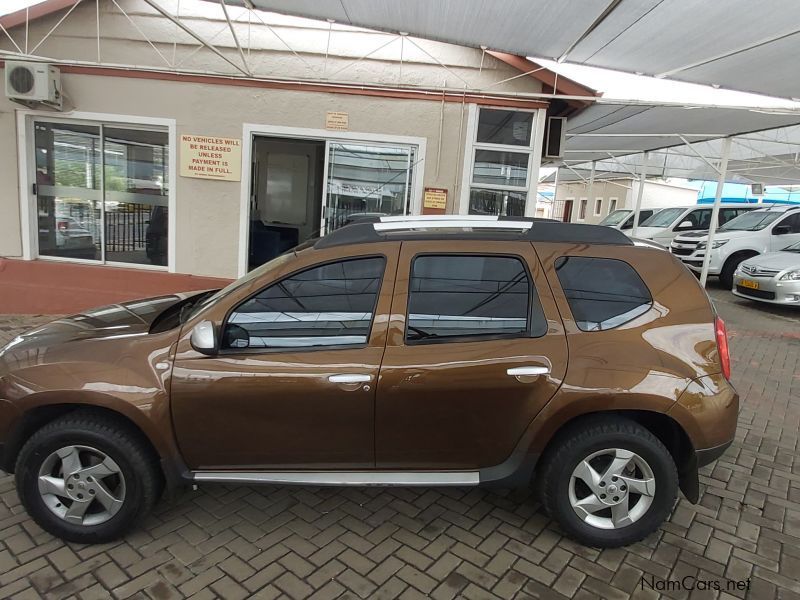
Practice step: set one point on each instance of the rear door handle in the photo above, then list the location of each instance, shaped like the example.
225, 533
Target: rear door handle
350, 378
532, 370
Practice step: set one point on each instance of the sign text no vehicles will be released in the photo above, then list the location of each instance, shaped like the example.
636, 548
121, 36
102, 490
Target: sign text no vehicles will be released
209, 157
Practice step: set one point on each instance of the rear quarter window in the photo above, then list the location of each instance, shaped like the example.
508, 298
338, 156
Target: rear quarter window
602, 293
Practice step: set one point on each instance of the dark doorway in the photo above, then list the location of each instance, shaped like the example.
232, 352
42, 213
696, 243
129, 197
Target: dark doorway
567, 216
285, 196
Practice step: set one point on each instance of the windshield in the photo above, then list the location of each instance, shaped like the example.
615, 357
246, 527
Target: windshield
664, 218
615, 218
793, 248
751, 221
229, 289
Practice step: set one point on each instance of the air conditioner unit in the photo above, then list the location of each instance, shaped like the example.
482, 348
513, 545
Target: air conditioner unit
33, 83
555, 137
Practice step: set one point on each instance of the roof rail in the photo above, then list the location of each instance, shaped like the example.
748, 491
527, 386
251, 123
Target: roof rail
377, 229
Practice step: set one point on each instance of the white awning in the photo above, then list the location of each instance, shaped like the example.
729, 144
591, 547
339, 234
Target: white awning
736, 44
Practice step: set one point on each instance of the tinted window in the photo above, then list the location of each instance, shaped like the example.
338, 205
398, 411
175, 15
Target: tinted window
458, 296
726, 214
603, 293
792, 222
699, 219
328, 305
505, 127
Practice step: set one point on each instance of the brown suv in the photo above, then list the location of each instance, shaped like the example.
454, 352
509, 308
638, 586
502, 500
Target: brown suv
436, 352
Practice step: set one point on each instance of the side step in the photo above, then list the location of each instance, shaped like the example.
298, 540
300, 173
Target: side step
344, 478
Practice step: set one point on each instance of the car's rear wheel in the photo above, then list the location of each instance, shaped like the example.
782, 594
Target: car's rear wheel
608, 482
87, 478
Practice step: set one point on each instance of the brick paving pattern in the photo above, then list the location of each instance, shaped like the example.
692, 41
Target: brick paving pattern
241, 542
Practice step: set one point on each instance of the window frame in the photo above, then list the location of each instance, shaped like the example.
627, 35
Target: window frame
529, 333
569, 306
598, 206
533, 150
296, 349
612, 204
26, 143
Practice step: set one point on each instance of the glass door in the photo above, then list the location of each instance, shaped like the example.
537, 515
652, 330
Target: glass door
101, 192
364, 180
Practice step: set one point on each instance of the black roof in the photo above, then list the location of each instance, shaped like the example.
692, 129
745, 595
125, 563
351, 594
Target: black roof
542, 230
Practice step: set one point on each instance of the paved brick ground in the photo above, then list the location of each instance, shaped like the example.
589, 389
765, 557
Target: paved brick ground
445, 543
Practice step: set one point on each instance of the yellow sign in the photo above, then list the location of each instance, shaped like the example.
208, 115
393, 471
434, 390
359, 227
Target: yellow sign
211, 157
435, 198
337, 120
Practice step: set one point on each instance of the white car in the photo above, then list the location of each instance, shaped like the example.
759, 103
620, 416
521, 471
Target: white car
622, 219
772, 277
757, 232
667, 223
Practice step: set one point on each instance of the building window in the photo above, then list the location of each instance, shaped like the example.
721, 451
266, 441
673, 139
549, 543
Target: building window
598, 206
102, 192
612, 205
502, 163
582, 210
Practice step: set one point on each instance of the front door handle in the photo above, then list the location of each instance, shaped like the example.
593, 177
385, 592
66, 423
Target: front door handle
530, 371
350, 378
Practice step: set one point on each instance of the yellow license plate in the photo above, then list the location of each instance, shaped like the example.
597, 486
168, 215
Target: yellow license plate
753, 285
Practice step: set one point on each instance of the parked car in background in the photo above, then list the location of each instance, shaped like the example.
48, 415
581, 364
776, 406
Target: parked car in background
622, 219
70, 237
766, 229
773, 277
667, 223
418, 352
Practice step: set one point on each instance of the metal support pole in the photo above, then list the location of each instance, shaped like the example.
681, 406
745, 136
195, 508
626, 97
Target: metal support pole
589, 192
639, 193
555, 196
723, 168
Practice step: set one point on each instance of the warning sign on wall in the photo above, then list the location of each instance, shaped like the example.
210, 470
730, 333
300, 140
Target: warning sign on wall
435, 198
211, 157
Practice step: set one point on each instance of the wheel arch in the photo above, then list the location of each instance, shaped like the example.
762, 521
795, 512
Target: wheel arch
48, 408
668, 431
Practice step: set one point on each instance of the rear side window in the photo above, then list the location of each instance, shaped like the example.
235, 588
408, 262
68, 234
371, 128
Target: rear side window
454, 297
326, 305
602, 293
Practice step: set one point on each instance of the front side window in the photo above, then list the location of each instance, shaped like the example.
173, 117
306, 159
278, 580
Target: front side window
699, 219
602, 293
102, 192
462, 297
326, 305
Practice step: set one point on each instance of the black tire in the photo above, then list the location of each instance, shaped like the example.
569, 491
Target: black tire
121, 443
730, 266
581, 441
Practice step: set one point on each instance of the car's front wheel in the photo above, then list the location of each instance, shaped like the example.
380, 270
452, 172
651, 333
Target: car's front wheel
86, 478
608, 482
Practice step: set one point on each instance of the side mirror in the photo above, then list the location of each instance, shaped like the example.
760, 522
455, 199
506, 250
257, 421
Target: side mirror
686, 225
204, 338
781, 230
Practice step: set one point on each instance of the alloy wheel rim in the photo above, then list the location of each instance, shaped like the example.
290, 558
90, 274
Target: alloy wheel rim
612, 488
81, 485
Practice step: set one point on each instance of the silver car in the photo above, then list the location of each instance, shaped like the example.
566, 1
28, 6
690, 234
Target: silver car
772, 277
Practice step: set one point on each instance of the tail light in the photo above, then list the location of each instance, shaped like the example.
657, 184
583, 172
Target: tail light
722, 347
